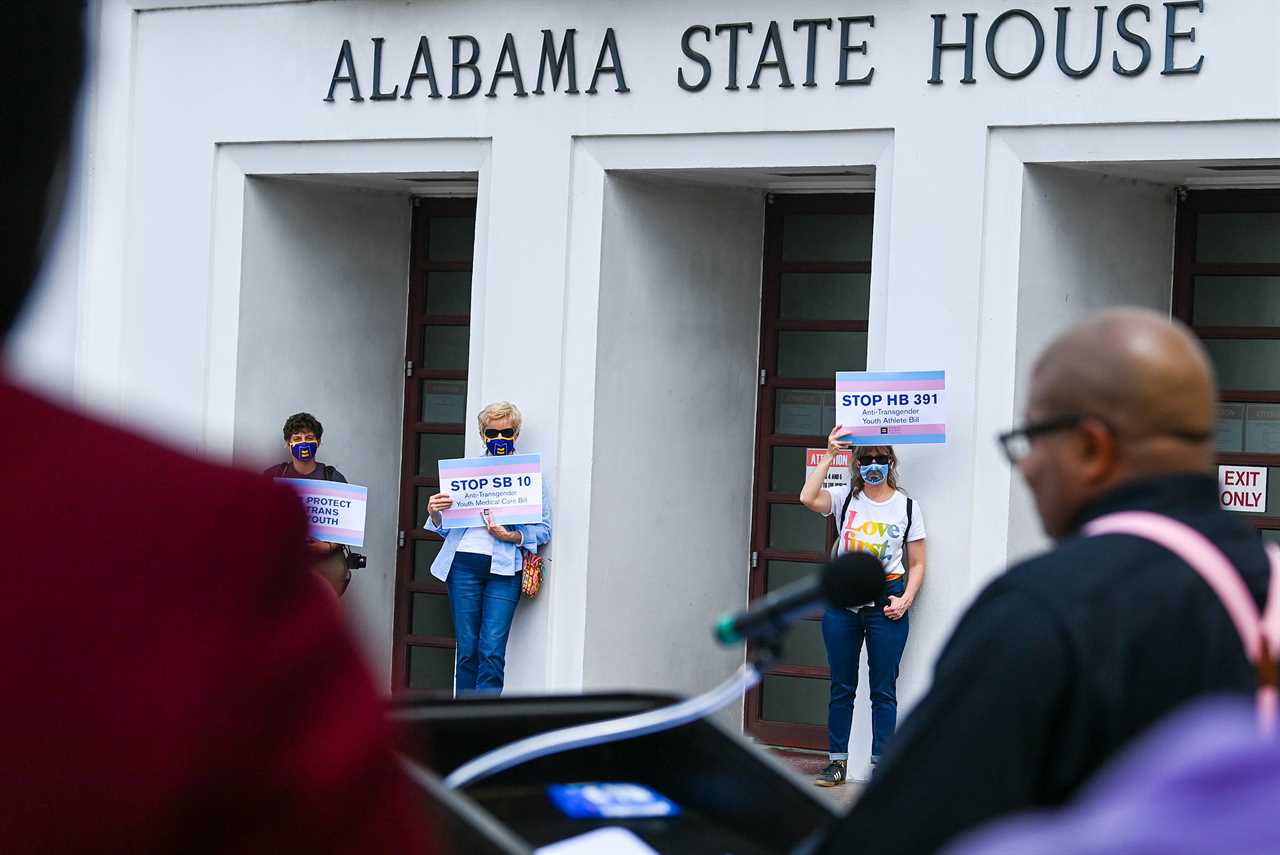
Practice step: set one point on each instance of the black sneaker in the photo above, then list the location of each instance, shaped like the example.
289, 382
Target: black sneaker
833, 775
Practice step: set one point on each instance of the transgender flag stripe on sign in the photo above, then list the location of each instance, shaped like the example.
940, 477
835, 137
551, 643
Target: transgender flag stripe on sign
890, 385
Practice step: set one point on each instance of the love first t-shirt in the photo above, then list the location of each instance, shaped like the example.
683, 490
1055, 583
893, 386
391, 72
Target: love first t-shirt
877, 527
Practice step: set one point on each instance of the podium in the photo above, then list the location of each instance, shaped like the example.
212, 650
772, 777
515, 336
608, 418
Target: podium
733, 797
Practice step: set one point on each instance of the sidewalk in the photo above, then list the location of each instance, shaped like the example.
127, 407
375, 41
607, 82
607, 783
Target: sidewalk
808, 764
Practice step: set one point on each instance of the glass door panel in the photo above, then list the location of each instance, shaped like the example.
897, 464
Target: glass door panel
804, 412
820, 353
824, 296
1237, 301
802, 700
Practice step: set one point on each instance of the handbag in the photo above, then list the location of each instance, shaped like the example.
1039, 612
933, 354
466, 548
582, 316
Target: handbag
531, 574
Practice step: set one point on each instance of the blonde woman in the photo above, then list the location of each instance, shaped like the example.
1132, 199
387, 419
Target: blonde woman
482, 566
872, 515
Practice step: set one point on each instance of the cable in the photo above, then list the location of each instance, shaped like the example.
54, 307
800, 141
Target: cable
601, 732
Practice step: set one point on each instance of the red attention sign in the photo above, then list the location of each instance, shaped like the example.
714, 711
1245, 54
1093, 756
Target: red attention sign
1243, 489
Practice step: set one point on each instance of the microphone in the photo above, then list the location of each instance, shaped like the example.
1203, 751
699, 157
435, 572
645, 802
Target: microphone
853, 579
850, 580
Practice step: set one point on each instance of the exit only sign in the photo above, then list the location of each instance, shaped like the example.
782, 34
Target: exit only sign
1243, 489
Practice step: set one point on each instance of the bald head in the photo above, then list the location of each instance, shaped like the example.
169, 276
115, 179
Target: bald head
1145, 375
1144, 391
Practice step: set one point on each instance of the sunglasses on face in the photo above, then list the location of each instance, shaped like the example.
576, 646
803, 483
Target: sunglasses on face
868, 459
494, 433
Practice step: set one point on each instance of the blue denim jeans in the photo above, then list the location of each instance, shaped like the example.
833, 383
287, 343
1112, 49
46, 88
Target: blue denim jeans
482, 604
843, 632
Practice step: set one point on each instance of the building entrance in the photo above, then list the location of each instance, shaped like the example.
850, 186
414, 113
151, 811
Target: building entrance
816, 295
1227, 288
435, 425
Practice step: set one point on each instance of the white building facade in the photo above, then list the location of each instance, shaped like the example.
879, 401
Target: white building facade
659, 229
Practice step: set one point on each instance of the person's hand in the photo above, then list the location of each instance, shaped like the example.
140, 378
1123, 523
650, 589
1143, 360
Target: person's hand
897, 607
834, 445
500, 532
439, 502
320, 547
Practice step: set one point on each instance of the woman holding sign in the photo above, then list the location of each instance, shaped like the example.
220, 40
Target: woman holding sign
872, 515
482, 567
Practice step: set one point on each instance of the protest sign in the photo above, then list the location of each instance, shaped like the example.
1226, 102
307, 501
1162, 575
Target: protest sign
892, 408
837, 475
335, 511
509, 487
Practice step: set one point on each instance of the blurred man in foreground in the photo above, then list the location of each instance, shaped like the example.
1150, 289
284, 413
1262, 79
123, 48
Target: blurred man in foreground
1067, 657
167, 687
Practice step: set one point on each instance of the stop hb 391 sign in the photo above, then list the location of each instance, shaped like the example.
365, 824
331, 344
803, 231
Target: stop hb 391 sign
1243, 489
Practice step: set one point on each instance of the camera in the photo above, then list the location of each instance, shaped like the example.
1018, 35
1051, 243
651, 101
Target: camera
356, 561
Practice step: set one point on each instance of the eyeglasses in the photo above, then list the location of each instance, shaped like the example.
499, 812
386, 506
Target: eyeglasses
1017, 442
494, 433
882, 459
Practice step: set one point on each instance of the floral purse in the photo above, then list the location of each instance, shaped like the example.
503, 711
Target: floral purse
531, 573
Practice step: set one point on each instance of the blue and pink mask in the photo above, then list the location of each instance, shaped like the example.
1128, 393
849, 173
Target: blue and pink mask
874, 473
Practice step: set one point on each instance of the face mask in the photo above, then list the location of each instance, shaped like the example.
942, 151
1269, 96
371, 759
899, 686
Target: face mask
500, 447
303, 451
875, 473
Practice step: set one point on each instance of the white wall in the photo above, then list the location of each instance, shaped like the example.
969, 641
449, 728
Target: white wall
1089, 242
184, 94
322, 330
675, 432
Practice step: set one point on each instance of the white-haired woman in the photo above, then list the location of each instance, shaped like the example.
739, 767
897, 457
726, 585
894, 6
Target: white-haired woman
482, 567
872, 515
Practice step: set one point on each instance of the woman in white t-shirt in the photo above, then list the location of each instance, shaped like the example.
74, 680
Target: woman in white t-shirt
872, 515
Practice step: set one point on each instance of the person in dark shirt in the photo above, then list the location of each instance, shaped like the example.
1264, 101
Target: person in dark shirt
1066, 658
167, 687
302, 435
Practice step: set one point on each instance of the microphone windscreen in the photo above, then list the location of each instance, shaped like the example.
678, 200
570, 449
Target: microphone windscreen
853, 579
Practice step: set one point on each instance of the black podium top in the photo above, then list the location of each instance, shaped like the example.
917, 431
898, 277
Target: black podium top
732, 796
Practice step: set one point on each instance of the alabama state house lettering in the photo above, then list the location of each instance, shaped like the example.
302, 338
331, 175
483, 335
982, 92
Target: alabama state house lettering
1125, 41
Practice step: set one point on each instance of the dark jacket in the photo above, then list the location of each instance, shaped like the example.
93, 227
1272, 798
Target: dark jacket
174, 678
1056, 666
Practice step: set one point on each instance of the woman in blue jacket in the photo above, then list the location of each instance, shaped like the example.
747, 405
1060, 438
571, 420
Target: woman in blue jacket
482, 567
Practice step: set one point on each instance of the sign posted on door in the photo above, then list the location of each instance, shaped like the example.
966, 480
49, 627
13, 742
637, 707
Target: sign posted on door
1243, 489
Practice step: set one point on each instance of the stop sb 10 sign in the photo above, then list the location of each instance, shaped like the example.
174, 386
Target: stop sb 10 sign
1243, 489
